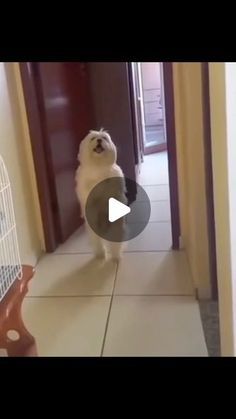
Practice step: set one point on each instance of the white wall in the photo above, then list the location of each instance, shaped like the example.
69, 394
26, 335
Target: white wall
231, 142
223, 124
191, 172
15, 149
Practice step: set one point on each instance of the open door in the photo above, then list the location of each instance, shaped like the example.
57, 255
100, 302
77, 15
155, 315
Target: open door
151, 87
168, 121
111, 99
59, 114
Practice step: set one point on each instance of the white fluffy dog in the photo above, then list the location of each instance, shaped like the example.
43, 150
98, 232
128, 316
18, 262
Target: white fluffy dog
97, 157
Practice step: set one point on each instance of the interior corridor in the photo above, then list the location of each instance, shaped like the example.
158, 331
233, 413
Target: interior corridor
144, 306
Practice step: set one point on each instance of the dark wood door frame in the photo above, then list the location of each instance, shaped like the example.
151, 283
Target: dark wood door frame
54, 165
171, 149
38, 151
136, 116
209, 179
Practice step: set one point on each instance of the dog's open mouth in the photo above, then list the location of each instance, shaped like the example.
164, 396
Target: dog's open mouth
98, 149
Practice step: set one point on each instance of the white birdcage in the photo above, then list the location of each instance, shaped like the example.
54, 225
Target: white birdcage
10, 265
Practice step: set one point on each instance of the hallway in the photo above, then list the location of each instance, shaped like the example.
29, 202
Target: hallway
79, 306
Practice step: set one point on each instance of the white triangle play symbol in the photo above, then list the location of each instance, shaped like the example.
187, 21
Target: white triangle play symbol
116, 210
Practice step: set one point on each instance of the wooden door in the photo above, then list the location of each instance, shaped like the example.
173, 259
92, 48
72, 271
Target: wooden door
59, 100
110, 93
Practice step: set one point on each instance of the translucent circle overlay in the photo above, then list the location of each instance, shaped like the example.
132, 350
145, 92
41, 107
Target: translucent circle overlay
127, 227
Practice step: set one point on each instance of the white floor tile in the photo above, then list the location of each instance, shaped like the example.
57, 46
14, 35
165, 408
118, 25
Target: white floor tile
158, 192
154, 274
73, 274
155, 326
160, 211
155, 237
154, 170
67, 326
69, 297
77, 243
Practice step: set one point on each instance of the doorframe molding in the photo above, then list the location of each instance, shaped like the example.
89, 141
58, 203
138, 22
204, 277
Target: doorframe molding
209, 178
172, 152
135, 114
37, 141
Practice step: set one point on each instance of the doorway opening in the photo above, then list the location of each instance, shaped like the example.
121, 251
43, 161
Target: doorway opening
152, 101
152, 106
153, 171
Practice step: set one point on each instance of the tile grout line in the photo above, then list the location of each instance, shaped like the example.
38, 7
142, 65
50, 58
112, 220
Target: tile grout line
154, 184
158, 201
109, 312
166, 296
154, 200
126, 251
109, 295
69, 296
152, 222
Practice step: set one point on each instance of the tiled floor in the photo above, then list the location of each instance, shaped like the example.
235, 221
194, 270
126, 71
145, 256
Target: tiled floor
155, 135
79, 306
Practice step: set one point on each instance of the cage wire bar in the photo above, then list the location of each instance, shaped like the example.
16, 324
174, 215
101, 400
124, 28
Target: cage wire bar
10, 264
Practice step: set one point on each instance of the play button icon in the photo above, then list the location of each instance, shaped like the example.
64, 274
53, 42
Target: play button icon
117, 210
